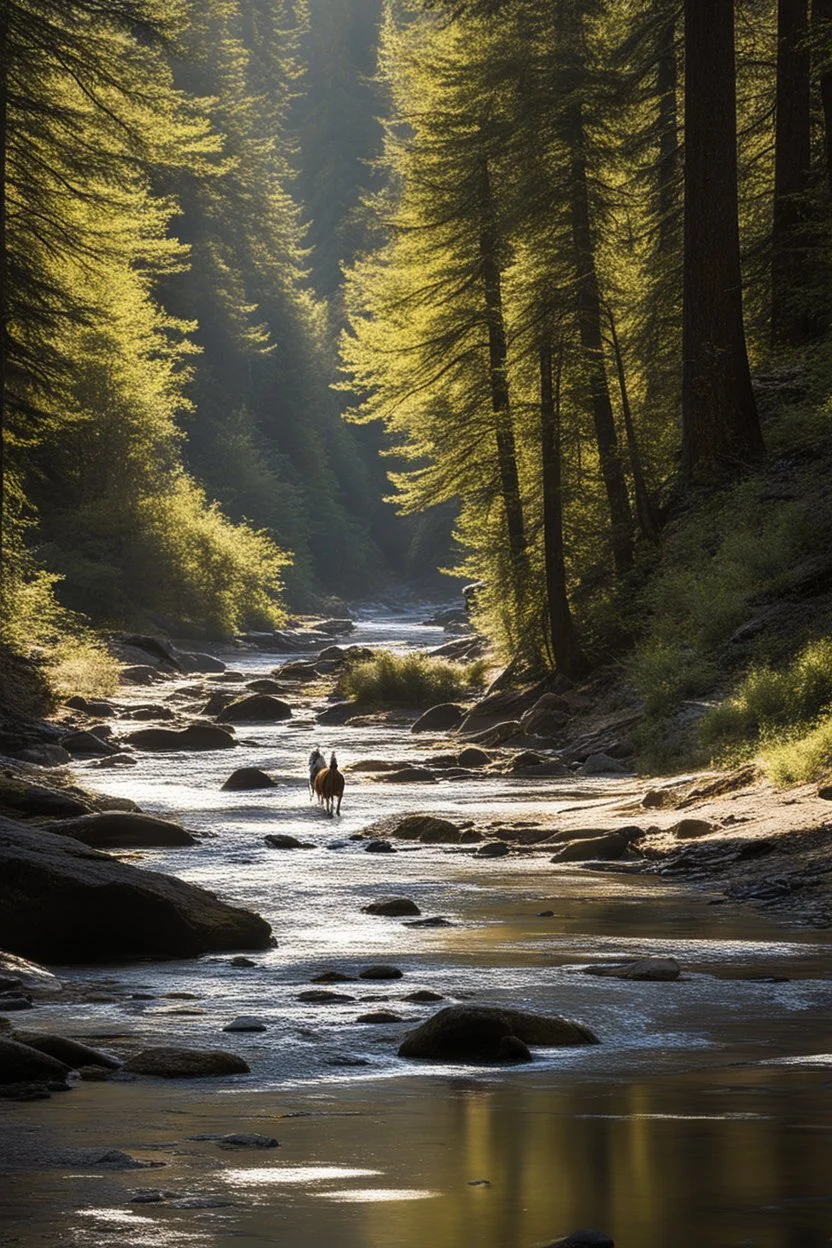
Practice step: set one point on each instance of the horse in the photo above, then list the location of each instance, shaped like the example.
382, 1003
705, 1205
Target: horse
329, 785
317, 763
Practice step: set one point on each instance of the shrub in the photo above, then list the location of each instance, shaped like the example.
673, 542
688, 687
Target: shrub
410, 679
800, 757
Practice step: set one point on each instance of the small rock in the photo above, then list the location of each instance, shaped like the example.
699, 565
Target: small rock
470, 837
241, 1140
439, 718
473, 756
492, 849
609, 847
332, 977
345, 1059
423, 995
392, 907
602, 765
379, 847
12, 1004
435, 920
320, 996
115, 1159
281, 840
94, 1074
479, 1183
245, 778
825, 791
380, 972
150, 1196
168, 1062
258, 707
380, 1016
545, 914
657, 969
245, 1022
687, 829
241, 961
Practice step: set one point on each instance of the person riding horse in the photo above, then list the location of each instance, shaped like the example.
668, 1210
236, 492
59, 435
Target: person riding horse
329, 786
317, 763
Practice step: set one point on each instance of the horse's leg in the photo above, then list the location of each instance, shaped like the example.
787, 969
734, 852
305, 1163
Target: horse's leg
338, 811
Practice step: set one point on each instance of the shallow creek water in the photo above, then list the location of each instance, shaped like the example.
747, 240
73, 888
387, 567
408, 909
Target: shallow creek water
702, 1118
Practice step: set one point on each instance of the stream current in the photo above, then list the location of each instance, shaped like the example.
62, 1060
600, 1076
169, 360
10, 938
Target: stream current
701, 1118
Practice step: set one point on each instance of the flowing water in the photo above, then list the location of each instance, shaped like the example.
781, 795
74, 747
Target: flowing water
701, 1118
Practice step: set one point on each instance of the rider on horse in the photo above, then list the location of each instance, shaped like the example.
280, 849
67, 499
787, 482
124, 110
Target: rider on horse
317, 763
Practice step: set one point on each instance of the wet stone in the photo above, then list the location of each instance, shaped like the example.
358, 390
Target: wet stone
246, 1022
380, 972
332, 977
320, 996
380, 1016
243, 1140
436, 920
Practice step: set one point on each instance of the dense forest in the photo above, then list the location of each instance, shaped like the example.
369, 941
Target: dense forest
574, 258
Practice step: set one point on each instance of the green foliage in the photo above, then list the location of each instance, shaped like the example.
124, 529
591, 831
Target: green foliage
800, 757
410, 680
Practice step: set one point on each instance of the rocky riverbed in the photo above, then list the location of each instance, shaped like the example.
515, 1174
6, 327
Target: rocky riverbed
673, 1127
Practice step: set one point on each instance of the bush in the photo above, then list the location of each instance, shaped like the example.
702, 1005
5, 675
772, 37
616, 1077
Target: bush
800, 758
410, 679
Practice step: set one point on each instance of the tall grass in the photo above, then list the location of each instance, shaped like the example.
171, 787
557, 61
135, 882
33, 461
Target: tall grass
410, 679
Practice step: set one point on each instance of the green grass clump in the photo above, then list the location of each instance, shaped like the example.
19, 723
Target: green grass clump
800, 757
81, 665
410, 679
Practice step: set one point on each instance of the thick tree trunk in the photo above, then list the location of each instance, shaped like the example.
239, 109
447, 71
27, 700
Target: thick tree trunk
564, 641
500, 401
822, 40
644, 507
720, 426
668, 126
589, 321
792, 166
4, 274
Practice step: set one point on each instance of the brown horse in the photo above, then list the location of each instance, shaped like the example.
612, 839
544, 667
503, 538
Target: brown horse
329, 786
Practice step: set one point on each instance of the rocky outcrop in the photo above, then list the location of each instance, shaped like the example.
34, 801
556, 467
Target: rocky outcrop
245, 778
20, 798
194, 737
63, 902
441, 718
71, 1052
119, 830
179, 1063
261, 708
19, 1064
85, 743
471, 1033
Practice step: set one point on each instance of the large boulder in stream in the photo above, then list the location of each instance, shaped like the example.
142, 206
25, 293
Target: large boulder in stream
19, 1063
71, 1052
608, 848
115, 829
246, 778
194, 737
476, 1033
261, 708
440, 718
171, 1062
392, 907
65, 903
26, 800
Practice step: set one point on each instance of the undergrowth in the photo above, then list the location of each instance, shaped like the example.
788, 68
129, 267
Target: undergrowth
411, 679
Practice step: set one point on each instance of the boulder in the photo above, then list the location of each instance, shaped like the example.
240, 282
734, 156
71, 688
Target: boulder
659, 970
392, 907
245, 1022
601, 765
36, 801
409, 775
265, 684
544, 721
179, 1063
609, 847
45, 755
374, 764
425, 827
473, 756
492, 849
380, 1016
218, 701
194, 737
36, 980
19, 1063
332, 977
115, 829
245, 778
632, 833
299, 669
688, 829
281, 840
321, 996
380, 972
261, 708
496, 708
86, 743
193, 662
379, 847
470, 837
435, 920
332, 654
71, 1053
338, 714
471, 1033
440, 718
65, 903
334, 628
422, 996
139, 674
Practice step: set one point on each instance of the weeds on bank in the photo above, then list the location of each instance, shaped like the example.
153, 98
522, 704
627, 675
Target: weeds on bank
802, 757
411, 679
81, 665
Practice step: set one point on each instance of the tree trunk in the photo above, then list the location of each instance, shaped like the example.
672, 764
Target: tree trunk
644, 506
564, 642
667, 169
589, 321
792, 166
720, 426
500, 404
4, 275
822, 41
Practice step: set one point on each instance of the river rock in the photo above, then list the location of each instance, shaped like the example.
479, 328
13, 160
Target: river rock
36, 980
118, 830
374, 764
582, 1239
19, 1063
170, 1062
439, 718
282, 840
601, 765
479, 1033
379, 847
71, 1053
265, 684
45, 755
194, 737
298, 669
435, 920
660, 970
245, 778
409, 775
35, 800
423, 996
241, 1139
63, 902
189, 662
334, 628
246, 1022
12, 1003
473, 756
609, 847
688, 829
241, 962
492, 849
392, 907
261, 708
332, 977
332, 654
425, 828
320, 996
87, 743
338, 714
380, 972
218, 701
139, 674
380, 1016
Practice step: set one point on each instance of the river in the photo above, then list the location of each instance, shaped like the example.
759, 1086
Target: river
703, 1117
